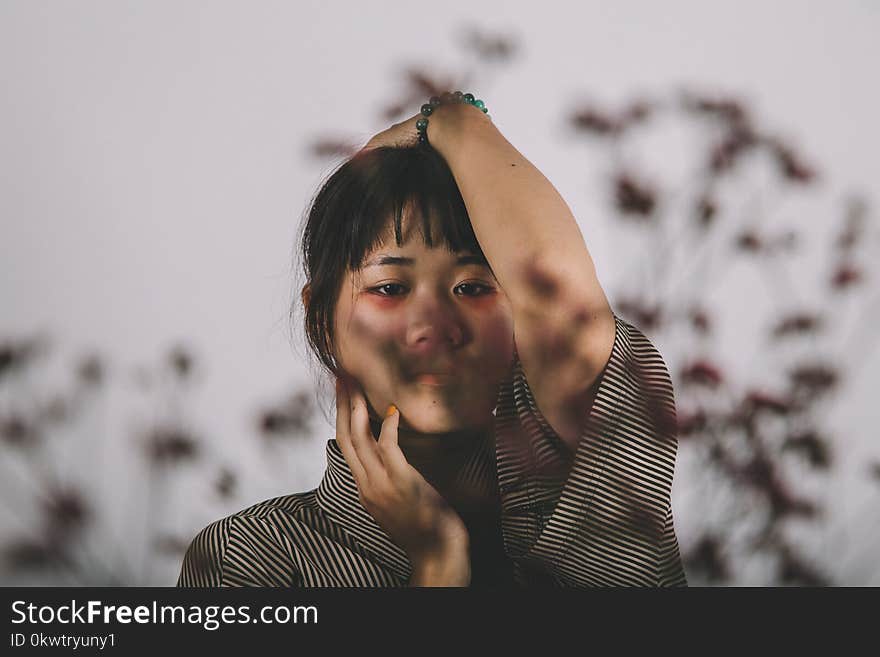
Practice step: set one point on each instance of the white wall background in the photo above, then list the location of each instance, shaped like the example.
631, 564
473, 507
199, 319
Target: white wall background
153, 172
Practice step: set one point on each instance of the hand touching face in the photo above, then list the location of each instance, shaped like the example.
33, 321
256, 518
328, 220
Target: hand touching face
403, 503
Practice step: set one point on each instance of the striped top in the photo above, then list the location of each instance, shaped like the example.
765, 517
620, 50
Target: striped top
540, 515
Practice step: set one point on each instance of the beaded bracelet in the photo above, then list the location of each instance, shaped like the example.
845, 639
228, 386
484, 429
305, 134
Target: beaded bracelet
445, 99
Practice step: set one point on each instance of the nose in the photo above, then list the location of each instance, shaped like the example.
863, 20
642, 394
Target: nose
435, 324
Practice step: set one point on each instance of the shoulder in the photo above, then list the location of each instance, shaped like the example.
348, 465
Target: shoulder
243, 548
637, 381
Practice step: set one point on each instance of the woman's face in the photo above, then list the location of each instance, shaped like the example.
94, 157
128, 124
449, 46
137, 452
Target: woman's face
432, 335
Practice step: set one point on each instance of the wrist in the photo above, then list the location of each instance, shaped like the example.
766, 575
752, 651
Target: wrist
452, 122
450, 569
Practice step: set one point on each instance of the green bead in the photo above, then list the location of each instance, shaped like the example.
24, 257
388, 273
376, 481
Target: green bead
479, 103
421, 124
434, 101
427, 109
469, 98
458, 96
485, 109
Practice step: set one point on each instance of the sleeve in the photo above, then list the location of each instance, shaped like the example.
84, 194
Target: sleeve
601, 516
671, 570
239, 550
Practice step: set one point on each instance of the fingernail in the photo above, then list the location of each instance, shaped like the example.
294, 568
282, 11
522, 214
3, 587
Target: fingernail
391, 409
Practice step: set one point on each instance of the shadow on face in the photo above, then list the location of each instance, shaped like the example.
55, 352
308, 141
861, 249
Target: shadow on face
425, 329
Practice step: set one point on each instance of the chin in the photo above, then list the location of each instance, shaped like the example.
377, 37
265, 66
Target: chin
435, 418
432, 423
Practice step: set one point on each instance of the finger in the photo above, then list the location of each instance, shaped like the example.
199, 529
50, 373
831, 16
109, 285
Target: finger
362, 436
389, 449
343, 424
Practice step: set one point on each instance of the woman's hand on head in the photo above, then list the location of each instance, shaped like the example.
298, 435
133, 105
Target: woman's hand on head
404, 134
399, 135
402, 502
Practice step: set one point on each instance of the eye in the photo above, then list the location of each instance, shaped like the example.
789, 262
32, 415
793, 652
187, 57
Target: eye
482, 289
388, 289
378, 289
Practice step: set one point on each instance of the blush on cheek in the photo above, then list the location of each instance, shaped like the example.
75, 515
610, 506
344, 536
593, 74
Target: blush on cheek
374, 327
485, 302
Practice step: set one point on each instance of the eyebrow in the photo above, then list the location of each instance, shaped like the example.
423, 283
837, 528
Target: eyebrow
471, 259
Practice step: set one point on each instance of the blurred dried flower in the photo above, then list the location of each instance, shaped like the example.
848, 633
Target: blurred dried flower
637, 111
814, 448
419, 87
702, 373
728, 109
27, 554
794, 570
798, 323
90, 370
181, 361
707, 558
591, 120
395, 109
17, 431
739, 139
423, 85
332, 147
853, 231
706, 210
17, 354
647, 318
846, 276
793, 168
169, 445
749, 241
699, 320
488, 46
756, 401
292, 417
812, 380
761, 473
691, 423
632, 197
66, 511
225, 483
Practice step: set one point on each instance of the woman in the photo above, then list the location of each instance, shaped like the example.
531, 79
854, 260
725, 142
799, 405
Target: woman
529, 438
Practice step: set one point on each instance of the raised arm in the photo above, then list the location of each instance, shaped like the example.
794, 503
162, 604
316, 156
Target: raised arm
563, 324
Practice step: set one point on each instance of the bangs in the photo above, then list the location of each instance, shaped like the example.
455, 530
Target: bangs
398, 187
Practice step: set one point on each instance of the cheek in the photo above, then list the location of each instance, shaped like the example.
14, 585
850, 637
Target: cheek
495, 329
375, 328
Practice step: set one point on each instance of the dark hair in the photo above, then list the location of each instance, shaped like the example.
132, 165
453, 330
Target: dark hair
350, 213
